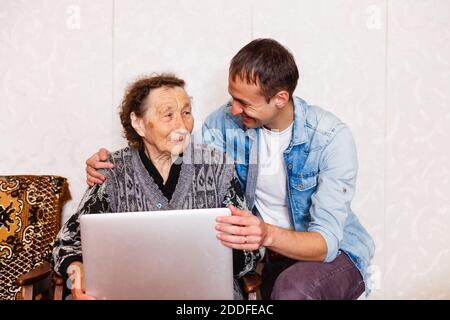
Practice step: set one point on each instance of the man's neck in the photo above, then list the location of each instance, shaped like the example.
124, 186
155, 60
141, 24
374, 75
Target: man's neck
284, 118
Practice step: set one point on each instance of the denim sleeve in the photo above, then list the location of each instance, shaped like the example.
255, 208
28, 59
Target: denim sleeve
330, 204
213, 130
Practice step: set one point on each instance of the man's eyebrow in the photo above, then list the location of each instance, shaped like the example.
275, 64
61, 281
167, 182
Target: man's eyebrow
241, 101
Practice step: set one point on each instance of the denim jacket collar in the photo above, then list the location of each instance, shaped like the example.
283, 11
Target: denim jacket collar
299, 135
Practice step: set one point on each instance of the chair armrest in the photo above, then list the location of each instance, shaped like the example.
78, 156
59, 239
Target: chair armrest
252, 282
37, 274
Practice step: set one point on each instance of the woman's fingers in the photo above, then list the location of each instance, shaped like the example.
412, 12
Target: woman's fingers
75, 271
78, 294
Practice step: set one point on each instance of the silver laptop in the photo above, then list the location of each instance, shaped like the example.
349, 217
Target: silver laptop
156, 255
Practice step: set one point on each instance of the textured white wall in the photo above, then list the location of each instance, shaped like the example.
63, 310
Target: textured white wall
382, 66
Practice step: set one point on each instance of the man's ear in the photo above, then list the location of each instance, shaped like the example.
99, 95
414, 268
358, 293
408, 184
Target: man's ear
138, 124
281, 98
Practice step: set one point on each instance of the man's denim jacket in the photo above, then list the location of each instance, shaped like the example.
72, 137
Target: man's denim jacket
321, 166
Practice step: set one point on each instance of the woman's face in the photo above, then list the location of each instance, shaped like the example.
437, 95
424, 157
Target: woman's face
167, 122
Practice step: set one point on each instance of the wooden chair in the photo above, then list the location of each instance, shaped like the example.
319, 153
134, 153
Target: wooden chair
30, 218
41, 273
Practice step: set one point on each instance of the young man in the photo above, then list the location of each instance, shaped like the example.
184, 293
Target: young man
297, 164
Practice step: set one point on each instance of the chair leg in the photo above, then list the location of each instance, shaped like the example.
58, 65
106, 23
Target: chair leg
58, 293
27, 292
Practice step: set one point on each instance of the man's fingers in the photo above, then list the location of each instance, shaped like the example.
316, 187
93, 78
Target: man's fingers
103, 154
233, 220
232, 238
92, 160
93, 181
94, 174
103, 165
239, 239
232, 229
238, 220
248, 246
98, 160
238, 212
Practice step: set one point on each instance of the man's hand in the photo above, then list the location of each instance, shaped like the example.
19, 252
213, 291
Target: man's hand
76, 276
242, 230
97, 161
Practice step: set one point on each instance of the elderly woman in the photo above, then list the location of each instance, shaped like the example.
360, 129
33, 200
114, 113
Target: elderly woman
159, 170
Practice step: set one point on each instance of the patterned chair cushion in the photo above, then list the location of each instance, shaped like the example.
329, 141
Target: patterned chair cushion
30, 218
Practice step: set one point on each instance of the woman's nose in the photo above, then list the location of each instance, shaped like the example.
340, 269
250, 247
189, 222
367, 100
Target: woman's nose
236, 108
180, 124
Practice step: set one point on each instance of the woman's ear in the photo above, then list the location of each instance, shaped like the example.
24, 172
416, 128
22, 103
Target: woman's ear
281, 98
138, 124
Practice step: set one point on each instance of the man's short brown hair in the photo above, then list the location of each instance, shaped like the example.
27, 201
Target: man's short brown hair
134, 101
267, 63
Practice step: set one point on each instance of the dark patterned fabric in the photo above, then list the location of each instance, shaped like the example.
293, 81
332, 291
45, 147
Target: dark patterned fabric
30, 217
206, 180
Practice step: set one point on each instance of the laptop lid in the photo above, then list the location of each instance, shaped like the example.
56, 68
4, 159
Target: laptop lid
156, 255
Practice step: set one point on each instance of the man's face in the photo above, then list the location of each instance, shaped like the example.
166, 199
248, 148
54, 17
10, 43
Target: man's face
249, 103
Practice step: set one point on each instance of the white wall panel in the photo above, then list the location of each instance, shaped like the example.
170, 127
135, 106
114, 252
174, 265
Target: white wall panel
339, 47
418, 153
55, 87
381, 66
194, 39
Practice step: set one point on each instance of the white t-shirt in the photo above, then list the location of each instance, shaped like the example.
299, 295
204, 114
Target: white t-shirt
270, 196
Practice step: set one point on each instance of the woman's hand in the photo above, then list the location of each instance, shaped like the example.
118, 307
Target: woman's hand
242, 230
76, 276
97, 161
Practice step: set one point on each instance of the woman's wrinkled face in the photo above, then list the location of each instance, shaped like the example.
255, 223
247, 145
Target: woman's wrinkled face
167, 122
